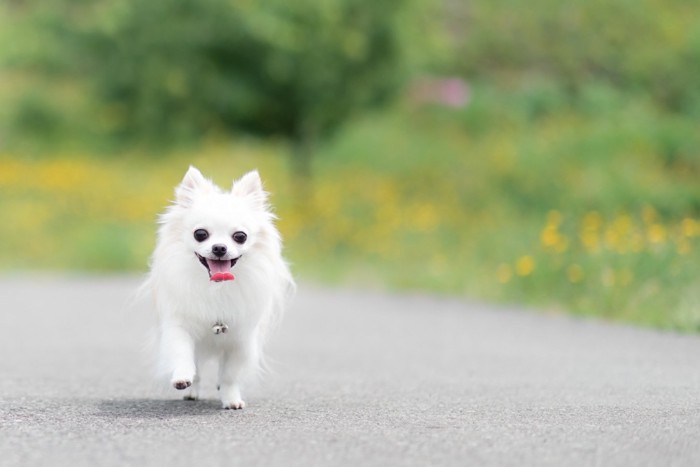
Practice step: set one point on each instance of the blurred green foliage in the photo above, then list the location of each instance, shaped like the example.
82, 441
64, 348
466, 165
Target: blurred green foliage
648, 47
178, 70
172, 71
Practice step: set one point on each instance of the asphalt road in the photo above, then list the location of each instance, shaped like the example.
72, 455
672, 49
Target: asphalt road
362, 378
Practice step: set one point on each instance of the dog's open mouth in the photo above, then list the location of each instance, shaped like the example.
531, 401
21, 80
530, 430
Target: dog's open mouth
219, 270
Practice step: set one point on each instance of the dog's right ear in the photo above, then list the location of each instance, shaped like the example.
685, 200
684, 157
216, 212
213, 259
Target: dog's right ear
193, 182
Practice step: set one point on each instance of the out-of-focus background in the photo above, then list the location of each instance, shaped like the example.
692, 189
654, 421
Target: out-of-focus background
540, 152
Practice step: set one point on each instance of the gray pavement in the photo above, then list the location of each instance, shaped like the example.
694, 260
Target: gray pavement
361, 378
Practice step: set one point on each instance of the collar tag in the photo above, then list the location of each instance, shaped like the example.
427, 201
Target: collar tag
219, 328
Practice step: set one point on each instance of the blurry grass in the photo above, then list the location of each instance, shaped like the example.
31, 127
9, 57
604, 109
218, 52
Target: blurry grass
588, 205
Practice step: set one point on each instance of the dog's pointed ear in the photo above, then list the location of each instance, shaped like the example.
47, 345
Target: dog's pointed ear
250, 185
192, 182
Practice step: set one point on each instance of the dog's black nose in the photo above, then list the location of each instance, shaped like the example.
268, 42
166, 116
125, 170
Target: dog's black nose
218, 250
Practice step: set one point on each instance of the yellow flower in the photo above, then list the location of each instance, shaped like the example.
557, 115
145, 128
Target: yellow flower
613, 240
424, 217
525, 266
549, 236
623, 223
656, 233
689, 227
590, 231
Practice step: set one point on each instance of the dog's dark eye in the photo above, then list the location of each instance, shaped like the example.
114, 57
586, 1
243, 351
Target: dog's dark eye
200, 235
240, 237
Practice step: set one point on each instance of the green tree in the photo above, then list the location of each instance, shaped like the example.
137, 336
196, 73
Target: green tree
173, 69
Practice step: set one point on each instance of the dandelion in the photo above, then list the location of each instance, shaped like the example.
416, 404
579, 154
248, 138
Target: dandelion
589, 234
623, 224
656, 234
613, 240
424, 217
525, 266
549, 236
689, 227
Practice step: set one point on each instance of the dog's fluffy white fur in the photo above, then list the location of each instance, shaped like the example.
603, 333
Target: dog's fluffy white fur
203, 231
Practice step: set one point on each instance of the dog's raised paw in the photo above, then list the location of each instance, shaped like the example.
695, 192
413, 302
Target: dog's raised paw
182, 384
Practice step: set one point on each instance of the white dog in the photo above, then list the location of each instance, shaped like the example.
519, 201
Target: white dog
219, 283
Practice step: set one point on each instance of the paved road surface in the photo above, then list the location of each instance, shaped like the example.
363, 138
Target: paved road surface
362, 378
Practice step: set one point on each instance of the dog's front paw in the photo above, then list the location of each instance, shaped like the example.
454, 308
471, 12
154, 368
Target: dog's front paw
231, 397
233, 405
181, 384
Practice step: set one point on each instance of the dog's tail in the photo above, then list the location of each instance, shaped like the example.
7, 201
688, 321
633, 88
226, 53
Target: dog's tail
283, 293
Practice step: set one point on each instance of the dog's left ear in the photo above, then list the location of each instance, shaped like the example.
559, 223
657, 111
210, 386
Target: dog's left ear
250, 185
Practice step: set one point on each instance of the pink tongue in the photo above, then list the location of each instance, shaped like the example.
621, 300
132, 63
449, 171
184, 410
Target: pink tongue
220, 270
221, 276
